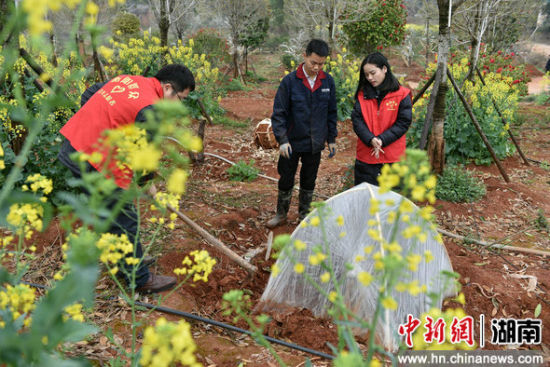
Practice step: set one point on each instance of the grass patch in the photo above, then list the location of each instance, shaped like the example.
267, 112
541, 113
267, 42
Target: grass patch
243, 171
234, 85
458, 185
532, 114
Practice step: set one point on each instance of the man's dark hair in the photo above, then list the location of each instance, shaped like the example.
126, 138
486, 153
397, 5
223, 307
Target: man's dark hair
318, 46
178, 75
390, 83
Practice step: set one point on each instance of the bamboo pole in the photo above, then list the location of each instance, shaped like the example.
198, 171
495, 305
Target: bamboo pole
494, 245
423, 90
504, 121
215, 242
34, 65
478, 127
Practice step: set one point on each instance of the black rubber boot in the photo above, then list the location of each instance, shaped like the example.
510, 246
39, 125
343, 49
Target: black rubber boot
306, 196
283, 203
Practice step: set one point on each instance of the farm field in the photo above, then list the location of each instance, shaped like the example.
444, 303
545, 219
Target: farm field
496, 283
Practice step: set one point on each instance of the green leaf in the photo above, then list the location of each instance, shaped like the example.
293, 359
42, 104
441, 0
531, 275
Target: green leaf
538, 310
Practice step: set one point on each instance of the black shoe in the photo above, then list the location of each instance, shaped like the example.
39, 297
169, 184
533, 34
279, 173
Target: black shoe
157, 283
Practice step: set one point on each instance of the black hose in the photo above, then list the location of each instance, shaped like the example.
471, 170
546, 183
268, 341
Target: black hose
191, 316
232, 328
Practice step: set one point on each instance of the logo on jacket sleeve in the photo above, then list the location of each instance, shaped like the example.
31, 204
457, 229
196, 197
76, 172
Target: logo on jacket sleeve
391, 105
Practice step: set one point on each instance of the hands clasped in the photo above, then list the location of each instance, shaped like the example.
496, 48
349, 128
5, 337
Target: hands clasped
376, 147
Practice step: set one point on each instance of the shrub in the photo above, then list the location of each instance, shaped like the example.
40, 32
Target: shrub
462, 142
145, 52
382, 25
210, 42
345, 70
234, 84
14, 129
289, 61
125, 26
243, 171
458, 185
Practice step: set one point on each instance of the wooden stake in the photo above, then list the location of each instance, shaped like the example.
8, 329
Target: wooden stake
33, 65
478, 127
204, 112
424, 89
494, 245
215, 242
98, 66
199, 157
504, 121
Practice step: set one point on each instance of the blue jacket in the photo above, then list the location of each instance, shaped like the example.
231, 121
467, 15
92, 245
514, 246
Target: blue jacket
305, 117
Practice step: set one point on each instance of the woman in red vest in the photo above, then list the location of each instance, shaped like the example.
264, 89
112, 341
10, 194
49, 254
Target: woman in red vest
381, 117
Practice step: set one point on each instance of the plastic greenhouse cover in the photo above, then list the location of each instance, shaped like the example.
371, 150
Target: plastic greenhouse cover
290, 288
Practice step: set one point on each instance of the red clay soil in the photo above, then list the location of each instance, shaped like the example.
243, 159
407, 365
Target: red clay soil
496, 284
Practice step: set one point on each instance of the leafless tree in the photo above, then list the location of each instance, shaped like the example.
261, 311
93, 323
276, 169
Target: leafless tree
326, 15
168, 12
237, 17
475, 21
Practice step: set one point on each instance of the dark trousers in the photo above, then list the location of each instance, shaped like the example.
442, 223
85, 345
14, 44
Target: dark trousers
365, 172
126, 221
308, 173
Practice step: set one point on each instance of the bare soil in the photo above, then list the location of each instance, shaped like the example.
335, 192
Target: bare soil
495, 283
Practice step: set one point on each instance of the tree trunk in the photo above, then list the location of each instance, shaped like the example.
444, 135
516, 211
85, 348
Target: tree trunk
436, 144
476, 43
81, 49
164, 24
54, 54
235, 63
6, 7
436, 106
427, 40
245, 60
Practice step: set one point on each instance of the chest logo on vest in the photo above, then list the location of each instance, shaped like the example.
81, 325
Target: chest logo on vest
391, 105
325, 90
118, 89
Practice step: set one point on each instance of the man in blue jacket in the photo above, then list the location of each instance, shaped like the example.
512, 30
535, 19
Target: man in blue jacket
304, 119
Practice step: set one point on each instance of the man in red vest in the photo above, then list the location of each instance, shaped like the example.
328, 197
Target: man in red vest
105, 106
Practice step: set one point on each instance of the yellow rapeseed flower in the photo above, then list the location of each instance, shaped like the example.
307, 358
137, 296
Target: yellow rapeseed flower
365, 278
145, 159
74, 312
167, 344
300, 245
200, 267
413, 260
275, 270
176, 181
315, 221
389, 303
299, 268
325, 277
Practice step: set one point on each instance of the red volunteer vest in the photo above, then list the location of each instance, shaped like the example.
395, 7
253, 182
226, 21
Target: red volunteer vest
116, 104
378, 120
